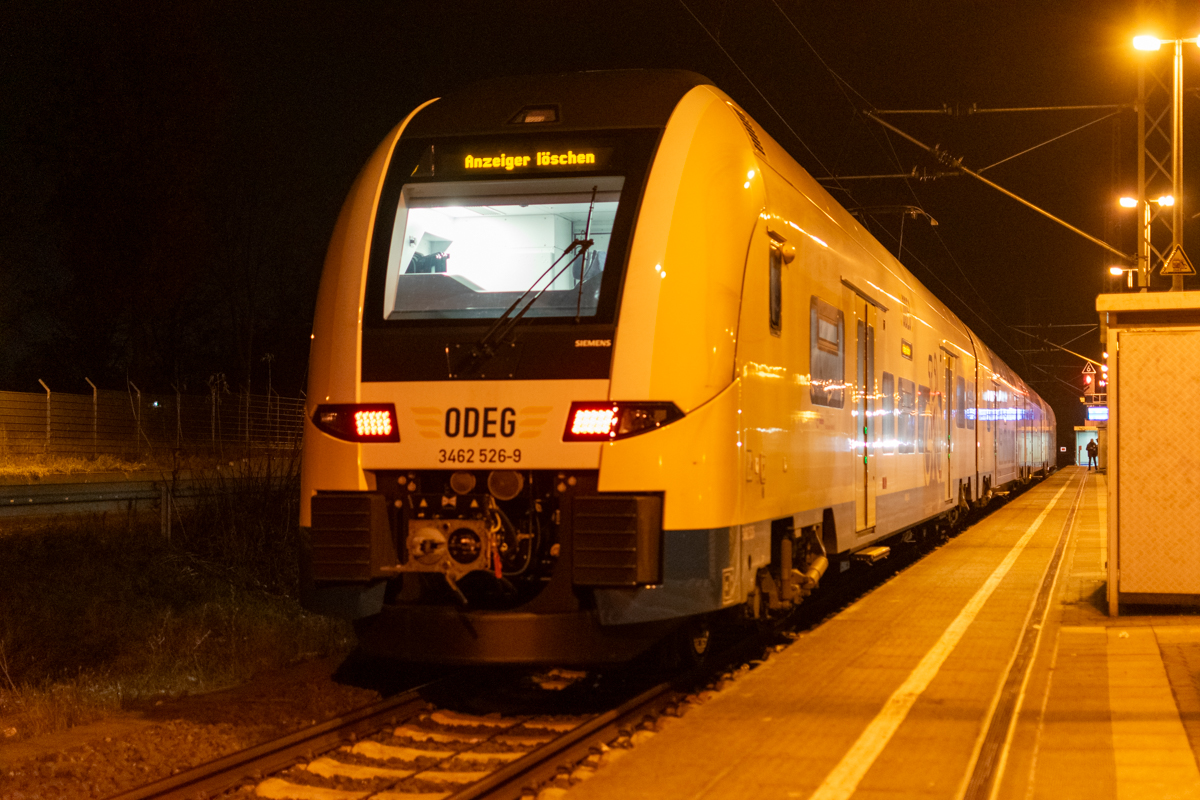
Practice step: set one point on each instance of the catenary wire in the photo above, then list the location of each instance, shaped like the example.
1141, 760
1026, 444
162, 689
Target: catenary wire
753, 85
1051, 140
847, 89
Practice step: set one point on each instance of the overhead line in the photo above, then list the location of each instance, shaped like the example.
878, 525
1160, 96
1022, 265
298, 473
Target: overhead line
954, 111
1048, 141
1065, 350
753, 85
845, 86
949, 160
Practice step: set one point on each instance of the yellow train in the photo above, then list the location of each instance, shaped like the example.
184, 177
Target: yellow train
595, 362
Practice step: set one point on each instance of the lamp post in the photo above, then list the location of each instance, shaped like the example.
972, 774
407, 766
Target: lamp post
1153, 43
1143, 254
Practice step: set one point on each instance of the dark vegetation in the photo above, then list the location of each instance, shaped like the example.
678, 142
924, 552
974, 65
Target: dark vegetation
100, 611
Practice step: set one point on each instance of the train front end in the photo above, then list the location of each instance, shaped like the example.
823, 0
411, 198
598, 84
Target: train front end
460, 381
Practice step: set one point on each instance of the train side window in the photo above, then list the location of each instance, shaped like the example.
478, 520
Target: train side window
887, 388
776, 280
907, 418
971, 410
960, 402
827, 354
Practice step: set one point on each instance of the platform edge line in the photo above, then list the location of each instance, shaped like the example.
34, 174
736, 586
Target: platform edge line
1044, 596
843, 780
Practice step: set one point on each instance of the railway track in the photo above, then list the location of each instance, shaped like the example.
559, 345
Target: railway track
403, 747
408, 747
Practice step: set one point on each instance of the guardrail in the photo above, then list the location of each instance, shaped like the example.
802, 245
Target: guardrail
139, 494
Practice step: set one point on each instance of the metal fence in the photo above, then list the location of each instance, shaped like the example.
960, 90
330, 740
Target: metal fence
133, 424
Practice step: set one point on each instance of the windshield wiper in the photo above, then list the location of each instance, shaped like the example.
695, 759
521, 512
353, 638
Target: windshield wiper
587, 229
496, 335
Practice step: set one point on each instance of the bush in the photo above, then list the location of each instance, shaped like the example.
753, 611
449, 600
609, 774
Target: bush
243, 526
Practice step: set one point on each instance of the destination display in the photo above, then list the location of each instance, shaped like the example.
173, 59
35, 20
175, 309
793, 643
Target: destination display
479, 160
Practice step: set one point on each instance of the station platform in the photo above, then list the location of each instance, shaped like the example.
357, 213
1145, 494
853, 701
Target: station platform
988, 669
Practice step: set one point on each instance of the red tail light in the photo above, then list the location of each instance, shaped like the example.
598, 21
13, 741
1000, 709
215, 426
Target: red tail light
371, 424
358, 422
605, 421
592, 422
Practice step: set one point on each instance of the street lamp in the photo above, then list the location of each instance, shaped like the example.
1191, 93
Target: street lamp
1153, 43
1143, 260
1128, 272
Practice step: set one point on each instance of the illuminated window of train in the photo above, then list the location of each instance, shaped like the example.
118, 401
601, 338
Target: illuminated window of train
469, 249
776, 281
972, 411
827, 357
887, 388
960, 402
907, 417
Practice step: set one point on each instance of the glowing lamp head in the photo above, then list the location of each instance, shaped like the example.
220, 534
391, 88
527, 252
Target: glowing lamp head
358, 422
373, 423
1128, 202
593, 421
1148, 43
1115, 271
606, 421
1166, 200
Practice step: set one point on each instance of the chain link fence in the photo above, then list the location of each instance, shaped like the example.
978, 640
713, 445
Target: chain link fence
135, 425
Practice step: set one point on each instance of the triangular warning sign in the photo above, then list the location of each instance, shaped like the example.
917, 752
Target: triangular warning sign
1177, 263
1088, 368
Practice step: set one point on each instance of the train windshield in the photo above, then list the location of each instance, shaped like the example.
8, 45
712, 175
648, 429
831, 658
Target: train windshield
470, 249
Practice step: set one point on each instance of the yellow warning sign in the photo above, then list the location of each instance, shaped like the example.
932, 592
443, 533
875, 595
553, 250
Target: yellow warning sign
1177, 263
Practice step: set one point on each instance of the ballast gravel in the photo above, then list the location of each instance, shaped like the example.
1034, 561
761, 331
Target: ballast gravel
156, 739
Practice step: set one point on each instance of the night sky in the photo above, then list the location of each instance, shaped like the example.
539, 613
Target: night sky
169, 178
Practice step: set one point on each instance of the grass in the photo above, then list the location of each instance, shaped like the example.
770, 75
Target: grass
100, 611
41, 465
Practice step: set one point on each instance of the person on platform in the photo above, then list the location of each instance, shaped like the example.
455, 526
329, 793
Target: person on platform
1091, 451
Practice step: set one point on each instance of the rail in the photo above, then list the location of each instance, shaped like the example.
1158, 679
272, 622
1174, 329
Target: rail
226, 773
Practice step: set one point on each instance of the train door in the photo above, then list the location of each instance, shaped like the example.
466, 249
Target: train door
1027, 420
864, 415
948, 419
1003, 408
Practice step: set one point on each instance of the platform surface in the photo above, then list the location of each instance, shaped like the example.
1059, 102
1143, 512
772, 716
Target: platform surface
988, 669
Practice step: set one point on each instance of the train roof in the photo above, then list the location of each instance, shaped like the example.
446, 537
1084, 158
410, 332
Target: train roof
632, 98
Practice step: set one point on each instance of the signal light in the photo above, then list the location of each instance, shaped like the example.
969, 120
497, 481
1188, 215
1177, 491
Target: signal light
606, 421
358, 422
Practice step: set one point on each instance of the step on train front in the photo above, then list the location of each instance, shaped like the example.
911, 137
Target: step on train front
594, 360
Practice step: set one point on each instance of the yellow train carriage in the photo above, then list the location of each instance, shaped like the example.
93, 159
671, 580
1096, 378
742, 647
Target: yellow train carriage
594, 360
